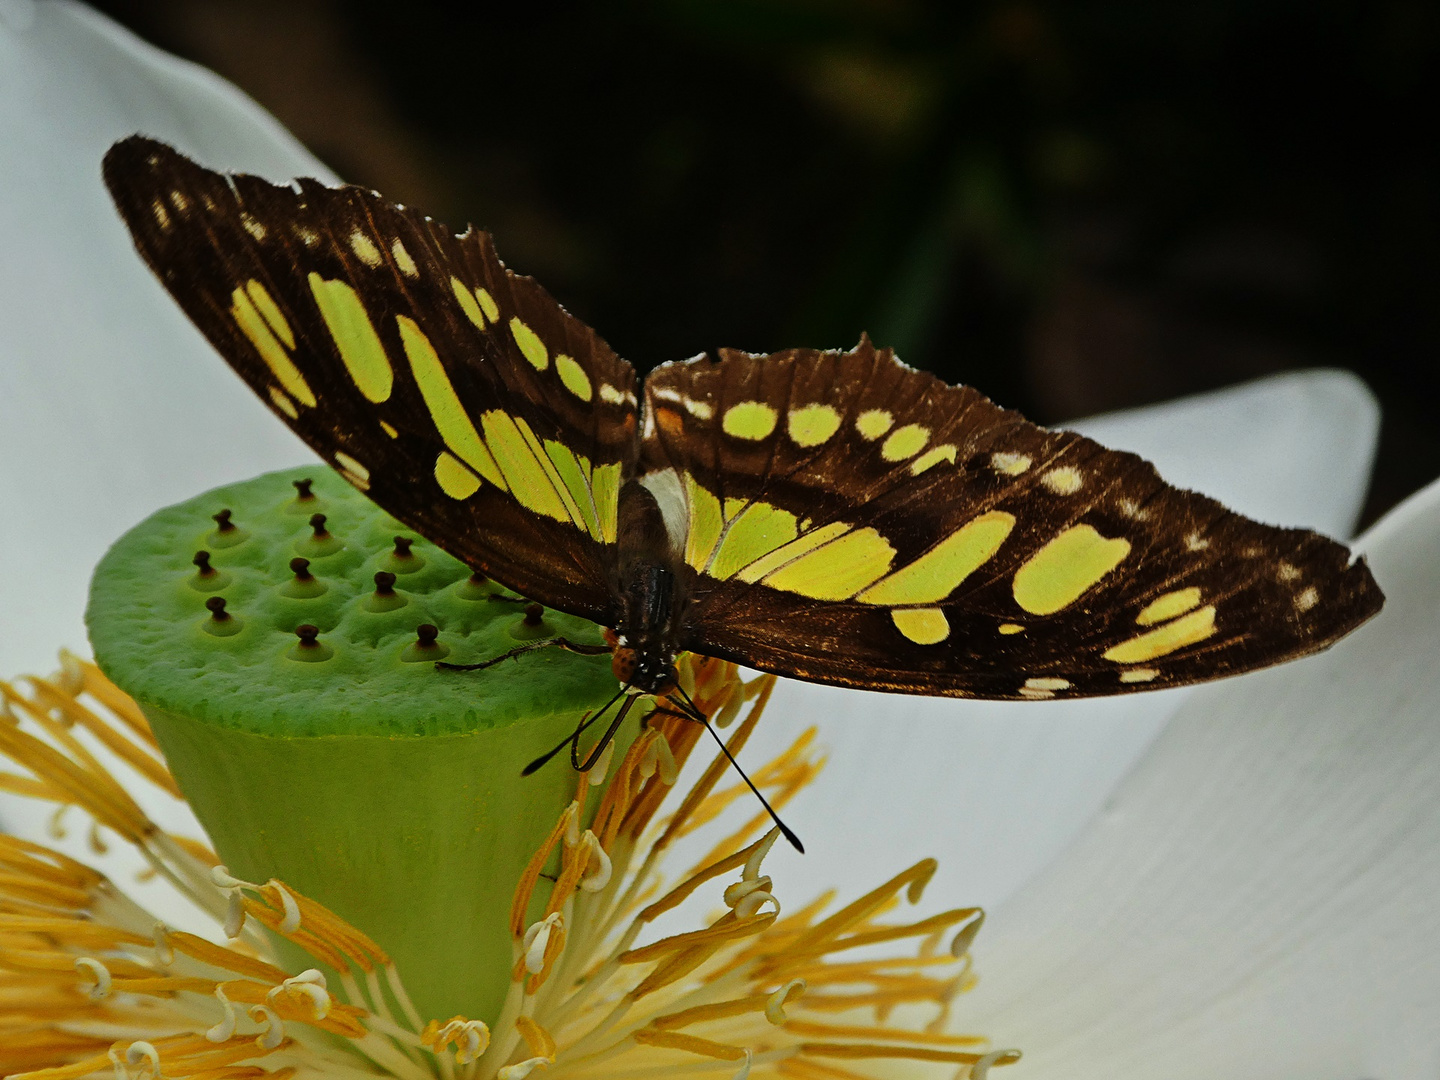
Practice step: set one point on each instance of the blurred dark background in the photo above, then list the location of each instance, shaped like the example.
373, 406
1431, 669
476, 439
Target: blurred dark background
1075, 207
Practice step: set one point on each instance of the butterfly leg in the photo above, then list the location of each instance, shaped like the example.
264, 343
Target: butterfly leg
530, 646
573, 739
599, 747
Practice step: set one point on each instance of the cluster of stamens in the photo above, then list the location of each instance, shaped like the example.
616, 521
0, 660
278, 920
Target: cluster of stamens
754, 991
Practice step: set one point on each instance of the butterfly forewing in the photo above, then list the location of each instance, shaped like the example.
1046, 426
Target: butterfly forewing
858, 522
460, 396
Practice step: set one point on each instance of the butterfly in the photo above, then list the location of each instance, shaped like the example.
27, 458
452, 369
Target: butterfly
834, 516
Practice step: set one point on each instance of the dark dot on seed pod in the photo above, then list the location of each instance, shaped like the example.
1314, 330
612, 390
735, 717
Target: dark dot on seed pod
304, 585
206, 577
317, 523
476, 587
533, 625
384, 598
307, 649
221, 623
227, 534
401, 559
302, 490
425, 647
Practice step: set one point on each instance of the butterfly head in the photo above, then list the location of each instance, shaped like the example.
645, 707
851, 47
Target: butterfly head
650, 672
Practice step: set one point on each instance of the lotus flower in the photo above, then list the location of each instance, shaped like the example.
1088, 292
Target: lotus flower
1237, 880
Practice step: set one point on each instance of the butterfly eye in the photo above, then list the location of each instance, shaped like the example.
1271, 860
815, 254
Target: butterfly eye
623, 664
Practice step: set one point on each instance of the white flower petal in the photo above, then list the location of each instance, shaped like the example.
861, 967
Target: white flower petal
997, 789
111, 403
1259, 897
1293, 449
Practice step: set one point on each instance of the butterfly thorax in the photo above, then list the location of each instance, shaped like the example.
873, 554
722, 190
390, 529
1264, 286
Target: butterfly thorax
650, 594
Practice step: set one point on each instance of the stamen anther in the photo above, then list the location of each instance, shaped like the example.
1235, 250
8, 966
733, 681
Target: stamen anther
97, 971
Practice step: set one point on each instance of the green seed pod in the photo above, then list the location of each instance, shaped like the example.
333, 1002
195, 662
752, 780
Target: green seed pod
289, 676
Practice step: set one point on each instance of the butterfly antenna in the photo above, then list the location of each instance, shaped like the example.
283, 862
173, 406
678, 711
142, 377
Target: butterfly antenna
700, 718
574, 737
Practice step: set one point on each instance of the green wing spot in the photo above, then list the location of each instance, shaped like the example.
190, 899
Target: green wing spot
451, 420
754, 530
355, 338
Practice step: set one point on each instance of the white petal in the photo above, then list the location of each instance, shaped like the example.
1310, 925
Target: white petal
997, 789
1293, 449
1259, 897
111, 403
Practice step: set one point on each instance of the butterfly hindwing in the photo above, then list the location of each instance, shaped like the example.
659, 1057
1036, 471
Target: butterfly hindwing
854, 521
460, 396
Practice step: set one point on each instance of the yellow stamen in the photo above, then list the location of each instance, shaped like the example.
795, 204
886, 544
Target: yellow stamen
693, 1044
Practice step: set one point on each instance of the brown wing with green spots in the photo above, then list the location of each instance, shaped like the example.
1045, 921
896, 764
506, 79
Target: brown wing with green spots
854, 521
459, 395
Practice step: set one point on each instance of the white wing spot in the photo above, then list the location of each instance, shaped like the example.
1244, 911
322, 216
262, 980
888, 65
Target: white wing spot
179, 201
667, 394
1048, 684
253, 227
610, 395
1139, 674
1195, 542
1040, 689
1132, 509
1009, 464
1286, 572
365, 249
352, 470
161, 214
308, 237
1306, 598
1065, 480
701, 410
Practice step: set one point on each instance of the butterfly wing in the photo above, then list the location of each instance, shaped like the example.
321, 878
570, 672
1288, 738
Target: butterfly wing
461, 397
854, 521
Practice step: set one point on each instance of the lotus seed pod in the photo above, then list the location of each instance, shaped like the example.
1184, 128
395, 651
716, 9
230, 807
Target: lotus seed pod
281, 635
